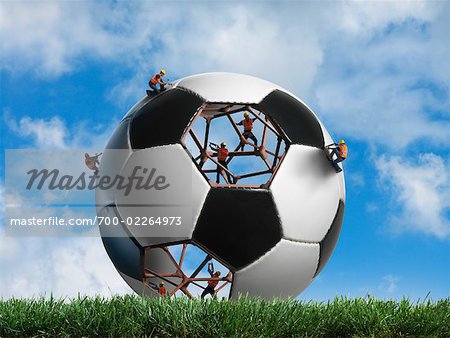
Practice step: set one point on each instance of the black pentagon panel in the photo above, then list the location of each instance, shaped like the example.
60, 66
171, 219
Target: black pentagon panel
123, 251
238, 225
120, 138
297, 121
329, 242
162, 120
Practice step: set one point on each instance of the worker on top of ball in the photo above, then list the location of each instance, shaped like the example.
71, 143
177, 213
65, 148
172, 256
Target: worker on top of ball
157, 79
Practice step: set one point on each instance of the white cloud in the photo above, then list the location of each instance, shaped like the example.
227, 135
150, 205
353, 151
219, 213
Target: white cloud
64, 267
8, 246
85, 134
420, 187
54, 133
371, 75
374, 79
2, 201
367, 17
44, 133
380, 78
384, 289
249, 39
372, 207
389, 283
237, 38
49, 37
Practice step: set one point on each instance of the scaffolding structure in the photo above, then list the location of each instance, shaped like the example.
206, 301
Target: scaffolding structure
176, 276
271, 159
186, 280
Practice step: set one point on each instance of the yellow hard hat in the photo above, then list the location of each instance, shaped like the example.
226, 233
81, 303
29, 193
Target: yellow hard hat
217, 273
341, 142
223, 144
246, 114
163, 71
161, 283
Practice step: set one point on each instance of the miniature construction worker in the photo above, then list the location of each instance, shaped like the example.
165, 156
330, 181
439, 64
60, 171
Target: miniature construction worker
212, 283
340, 150
247, 122
162, 291
222, 154
157, 79
92, 161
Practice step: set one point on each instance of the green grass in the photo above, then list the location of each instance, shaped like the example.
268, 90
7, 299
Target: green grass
135, 316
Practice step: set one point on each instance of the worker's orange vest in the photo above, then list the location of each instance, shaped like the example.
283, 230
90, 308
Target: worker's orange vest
154, 79
222, 154
213, 283
248, 124
162, 291
343, 151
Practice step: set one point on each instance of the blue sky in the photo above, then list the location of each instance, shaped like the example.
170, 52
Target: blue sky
376, 74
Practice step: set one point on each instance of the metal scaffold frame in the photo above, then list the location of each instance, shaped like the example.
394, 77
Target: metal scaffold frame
272, 159
179, 273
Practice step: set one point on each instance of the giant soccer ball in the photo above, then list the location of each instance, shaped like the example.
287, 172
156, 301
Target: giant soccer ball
275, 237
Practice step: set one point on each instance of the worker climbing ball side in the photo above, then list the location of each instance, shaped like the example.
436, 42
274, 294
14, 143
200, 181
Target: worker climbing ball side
338, 153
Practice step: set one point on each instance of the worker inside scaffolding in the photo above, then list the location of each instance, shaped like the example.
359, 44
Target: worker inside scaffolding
184, 269
241, 158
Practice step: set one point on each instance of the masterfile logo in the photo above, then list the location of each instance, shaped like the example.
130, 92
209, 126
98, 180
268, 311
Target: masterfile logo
141, 178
